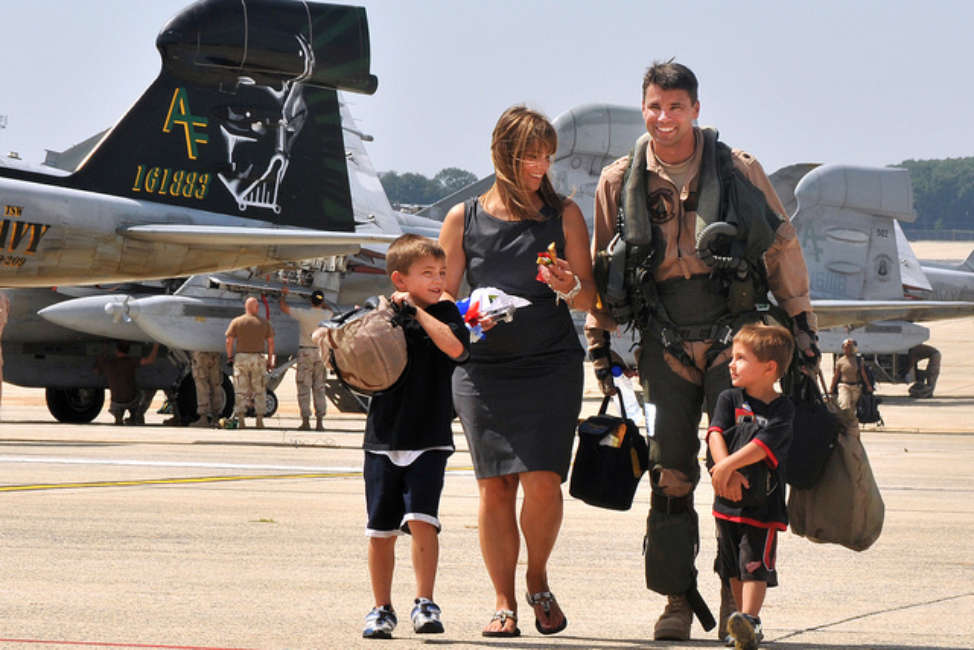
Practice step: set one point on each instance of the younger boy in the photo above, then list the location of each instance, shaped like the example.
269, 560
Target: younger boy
751, 425
408, 437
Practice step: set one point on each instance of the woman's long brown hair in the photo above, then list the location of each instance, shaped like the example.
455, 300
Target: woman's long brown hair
519, 132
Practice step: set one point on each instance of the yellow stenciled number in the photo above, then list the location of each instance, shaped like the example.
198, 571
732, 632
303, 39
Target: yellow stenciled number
165, 177
177, 182
203, 187
152, 180
137, 186
190, 185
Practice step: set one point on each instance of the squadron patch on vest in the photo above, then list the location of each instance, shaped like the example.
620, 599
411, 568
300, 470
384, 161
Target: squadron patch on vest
662, 205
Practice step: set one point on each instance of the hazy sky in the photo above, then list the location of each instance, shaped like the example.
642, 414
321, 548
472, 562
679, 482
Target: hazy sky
857, 82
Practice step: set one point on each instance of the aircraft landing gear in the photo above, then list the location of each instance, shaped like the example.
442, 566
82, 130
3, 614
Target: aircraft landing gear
75, 405
186, 399
270, 405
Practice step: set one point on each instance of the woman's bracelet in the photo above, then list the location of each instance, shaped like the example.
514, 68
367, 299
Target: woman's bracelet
569, 296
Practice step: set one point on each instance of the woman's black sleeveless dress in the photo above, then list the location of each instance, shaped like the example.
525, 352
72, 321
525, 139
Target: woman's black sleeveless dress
519, 394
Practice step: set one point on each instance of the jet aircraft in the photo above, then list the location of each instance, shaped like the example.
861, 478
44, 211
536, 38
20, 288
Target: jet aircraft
237, 156
233, 157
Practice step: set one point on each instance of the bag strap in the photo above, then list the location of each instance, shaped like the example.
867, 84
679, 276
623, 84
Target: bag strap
605, 405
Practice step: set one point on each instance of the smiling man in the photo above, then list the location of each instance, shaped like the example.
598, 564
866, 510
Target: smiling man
689, 237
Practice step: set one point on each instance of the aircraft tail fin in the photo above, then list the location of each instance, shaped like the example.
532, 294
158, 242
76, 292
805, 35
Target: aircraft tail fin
969, 262
845, 219
244, 117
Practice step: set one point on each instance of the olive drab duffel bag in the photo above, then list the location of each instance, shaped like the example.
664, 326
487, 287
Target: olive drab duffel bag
844, 505
366, 347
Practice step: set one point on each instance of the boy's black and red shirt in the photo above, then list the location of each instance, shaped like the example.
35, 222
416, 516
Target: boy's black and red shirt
773, 435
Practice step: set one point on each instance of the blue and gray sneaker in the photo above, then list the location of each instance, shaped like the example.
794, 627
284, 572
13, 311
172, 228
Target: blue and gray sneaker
380, 622
745, 630
426, 617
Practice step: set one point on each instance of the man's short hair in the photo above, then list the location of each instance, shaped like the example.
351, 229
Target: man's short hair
408, 249
670, 75
768, 343
317, 297
122, 346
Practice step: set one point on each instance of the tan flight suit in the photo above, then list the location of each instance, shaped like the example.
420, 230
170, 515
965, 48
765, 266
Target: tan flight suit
681, 392
208, 376
249, 363
310, 372
850, 383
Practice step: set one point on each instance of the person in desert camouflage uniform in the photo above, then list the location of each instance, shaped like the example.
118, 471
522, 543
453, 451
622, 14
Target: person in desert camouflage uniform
310, 372
252, 334
208, 376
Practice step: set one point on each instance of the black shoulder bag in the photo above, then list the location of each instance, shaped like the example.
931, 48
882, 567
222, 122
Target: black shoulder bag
610, 460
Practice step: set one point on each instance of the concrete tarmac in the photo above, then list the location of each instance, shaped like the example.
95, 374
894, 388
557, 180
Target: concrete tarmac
162, 537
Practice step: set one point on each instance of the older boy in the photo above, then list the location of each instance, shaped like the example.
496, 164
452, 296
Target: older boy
408, 437
747, 444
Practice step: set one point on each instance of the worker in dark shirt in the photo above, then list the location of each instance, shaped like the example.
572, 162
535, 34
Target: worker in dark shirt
119, 371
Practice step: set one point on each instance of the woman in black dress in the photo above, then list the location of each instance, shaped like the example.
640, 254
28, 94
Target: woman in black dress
520, 393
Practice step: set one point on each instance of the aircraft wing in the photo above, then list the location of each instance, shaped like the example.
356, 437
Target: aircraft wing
200, 235
832, 313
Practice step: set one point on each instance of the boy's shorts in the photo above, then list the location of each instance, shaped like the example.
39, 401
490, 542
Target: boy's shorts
395, 495
746, 552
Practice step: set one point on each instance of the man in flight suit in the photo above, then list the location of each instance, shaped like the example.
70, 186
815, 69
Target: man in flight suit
683, 358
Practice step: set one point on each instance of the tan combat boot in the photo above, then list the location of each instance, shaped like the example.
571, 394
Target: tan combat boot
674, 623
260, 423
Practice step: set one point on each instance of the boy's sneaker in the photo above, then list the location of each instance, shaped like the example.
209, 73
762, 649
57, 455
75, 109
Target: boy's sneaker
380, 622
745, 630
426, 617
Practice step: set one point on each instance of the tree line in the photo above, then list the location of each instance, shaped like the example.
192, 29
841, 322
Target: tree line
943, 190
943, 193
412, 188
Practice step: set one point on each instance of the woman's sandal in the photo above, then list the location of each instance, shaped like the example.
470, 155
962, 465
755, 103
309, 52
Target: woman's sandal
545, 599
502, 615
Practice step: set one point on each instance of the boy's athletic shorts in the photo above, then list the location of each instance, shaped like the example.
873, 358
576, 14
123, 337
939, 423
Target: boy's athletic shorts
395, 495
746, 552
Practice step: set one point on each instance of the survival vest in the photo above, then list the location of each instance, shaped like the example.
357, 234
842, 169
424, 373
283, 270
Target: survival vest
734, 227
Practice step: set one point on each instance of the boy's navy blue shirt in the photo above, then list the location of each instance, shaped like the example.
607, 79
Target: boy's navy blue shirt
774, 437
416, 412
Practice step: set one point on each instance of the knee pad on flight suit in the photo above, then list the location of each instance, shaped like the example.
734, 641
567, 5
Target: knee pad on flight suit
672, 534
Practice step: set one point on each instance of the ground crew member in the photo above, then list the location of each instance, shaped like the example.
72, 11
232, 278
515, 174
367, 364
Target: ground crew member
119, 371
849, 378
251, 333
208, 377
310, 372
926, 379
677, 179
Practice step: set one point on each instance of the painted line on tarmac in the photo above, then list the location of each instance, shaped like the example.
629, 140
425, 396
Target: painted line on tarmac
172, 463
332, 474
170, 481
102, 644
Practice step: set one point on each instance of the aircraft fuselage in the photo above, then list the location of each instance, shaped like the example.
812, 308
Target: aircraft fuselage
54, 235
